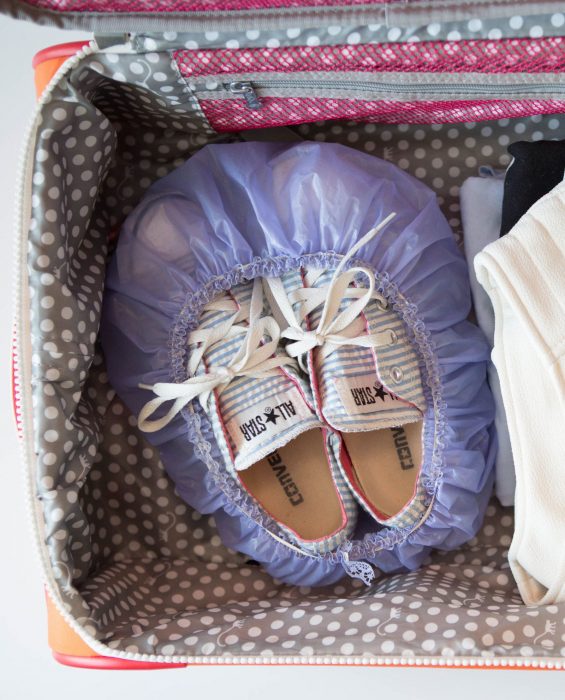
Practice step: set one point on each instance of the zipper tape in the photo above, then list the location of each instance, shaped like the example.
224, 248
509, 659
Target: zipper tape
400, 86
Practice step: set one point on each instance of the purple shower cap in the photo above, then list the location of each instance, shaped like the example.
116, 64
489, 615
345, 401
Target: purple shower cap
241, 210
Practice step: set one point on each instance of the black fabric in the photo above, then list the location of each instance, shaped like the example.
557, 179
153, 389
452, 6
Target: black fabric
537, 168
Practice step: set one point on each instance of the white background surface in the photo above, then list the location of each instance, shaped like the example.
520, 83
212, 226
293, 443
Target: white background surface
26, 667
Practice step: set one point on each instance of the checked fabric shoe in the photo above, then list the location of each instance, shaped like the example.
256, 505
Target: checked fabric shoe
262, 415
365, 378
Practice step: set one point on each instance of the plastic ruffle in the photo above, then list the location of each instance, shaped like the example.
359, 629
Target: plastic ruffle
237, 211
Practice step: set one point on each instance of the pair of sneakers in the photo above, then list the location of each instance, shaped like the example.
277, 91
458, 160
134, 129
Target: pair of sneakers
314, 395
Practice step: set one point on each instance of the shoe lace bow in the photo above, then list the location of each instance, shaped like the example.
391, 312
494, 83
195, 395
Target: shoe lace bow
255, 358
335, 328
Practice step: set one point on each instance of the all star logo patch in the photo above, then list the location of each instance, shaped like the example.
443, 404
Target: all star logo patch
251, 427
271, 415
370, 395
364, 394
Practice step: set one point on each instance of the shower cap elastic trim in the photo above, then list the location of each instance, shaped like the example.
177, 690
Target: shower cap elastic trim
435, 420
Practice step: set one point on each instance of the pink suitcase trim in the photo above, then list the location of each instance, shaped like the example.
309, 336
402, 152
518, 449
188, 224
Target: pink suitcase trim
109, 663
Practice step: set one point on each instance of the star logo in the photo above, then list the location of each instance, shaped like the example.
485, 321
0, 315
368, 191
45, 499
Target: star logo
381, 392
271, 416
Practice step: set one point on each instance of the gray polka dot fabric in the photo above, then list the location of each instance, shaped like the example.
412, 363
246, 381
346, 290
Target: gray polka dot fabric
131, 563
513, 26
442, 156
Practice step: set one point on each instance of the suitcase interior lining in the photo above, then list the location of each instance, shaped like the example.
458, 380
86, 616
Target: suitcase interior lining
342, 33
137, 567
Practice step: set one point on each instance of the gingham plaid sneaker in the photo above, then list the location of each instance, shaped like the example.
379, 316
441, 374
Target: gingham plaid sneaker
261, 412
365, 378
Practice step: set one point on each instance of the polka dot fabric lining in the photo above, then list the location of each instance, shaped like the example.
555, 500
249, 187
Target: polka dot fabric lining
155, 523
101, 150
135, 566
441, 155
514, 26
462, 604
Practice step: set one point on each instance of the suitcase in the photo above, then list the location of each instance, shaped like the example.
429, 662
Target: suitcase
133, 577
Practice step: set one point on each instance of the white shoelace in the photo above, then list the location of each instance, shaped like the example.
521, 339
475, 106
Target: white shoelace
255, 358
335, 329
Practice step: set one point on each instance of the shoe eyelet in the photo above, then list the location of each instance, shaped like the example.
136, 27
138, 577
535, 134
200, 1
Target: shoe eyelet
393, 337
396, 374
382, 304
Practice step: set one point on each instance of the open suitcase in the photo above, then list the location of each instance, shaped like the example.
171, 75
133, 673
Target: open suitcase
134, 578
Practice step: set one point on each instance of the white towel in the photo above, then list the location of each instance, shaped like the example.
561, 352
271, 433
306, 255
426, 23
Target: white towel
524, 275
481, 212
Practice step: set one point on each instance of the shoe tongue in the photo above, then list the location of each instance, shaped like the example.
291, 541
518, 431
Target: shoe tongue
255, 416
276, 415
363, 403
360, 389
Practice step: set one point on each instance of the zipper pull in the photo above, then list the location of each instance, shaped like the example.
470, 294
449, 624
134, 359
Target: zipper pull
245, 90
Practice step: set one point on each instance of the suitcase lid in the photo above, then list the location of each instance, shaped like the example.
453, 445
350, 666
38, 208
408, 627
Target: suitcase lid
114, 16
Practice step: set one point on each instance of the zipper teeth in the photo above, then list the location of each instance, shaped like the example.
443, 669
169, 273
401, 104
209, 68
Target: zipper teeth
22, 399
426, 87
449, 89
16, 386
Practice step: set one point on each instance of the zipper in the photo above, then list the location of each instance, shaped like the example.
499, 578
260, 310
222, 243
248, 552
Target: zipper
23, 401
248, 92
21, 342
249, 89
16, 384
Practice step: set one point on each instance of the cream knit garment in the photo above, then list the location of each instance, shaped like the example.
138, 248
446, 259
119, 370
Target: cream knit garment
524, 275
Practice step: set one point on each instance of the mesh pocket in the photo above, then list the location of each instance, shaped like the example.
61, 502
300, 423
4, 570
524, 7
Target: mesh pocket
155, 6
233, 114
481, 56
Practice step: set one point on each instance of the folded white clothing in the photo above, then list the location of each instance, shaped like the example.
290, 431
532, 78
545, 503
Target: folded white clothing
524, 275
481, 212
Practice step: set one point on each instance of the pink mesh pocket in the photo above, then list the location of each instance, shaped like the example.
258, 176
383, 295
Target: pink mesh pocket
545, 55
155, 6
233, 114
